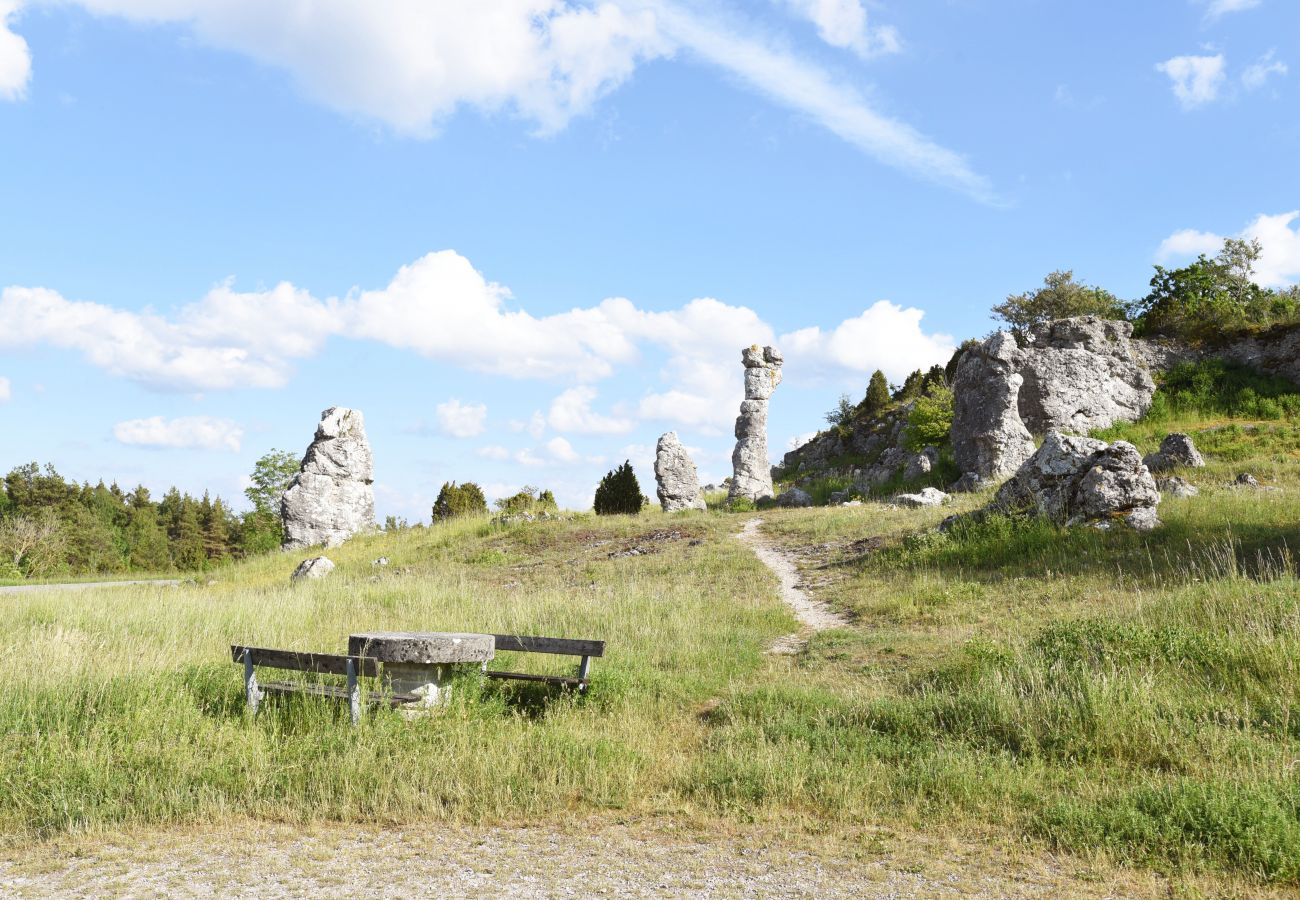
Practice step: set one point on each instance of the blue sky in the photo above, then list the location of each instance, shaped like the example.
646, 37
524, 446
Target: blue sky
525, 237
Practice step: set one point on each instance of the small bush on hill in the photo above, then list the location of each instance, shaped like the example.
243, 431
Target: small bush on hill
528, 500
455, 500
1060, 297
619, 493
930, 420
1213, 298
842, 413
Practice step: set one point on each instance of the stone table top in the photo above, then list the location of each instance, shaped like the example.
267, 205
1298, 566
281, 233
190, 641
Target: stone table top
423, 647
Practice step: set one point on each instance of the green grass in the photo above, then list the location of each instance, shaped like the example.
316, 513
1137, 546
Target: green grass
1133, 698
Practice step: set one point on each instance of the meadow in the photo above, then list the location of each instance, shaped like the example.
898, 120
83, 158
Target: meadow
1130, 699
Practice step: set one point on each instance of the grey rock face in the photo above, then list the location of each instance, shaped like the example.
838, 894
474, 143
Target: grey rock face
752, 476
1074, 480
1177, 487
925, 497
333, 497
795, 497
1082, 373
968, 483
1245, 479
921, 464
316, 567
678, 485
988, 437
1176, 450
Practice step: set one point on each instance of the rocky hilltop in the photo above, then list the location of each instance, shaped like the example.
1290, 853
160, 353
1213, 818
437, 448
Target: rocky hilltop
1070, 376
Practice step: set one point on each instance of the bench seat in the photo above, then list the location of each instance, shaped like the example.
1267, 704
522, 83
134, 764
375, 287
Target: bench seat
333, 692
518, 643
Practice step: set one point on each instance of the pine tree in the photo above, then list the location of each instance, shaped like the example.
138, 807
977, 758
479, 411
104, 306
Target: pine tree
619, 493
146, 540
877, 394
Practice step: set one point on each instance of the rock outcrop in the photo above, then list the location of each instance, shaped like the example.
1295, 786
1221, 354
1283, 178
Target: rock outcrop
1081, 374
1176, 451
925, 497
316, 567
1072, 375
752, 473
795, 497
1077, 480
988, 437
333, 497
1177, 487
678, 484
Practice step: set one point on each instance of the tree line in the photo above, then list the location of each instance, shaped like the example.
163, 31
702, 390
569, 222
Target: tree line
52, 526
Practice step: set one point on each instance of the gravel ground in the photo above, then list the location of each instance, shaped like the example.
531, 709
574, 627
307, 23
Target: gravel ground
270, 861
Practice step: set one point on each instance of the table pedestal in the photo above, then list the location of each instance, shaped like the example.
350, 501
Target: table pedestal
426, 663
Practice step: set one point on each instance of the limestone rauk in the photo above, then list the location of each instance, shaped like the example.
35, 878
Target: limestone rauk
678, 485
332, 498
751, 470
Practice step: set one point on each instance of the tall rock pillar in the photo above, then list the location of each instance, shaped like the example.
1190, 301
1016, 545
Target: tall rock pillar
333, 497
751, 470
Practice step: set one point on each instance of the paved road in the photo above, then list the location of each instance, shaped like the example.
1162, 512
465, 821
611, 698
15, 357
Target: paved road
82, 586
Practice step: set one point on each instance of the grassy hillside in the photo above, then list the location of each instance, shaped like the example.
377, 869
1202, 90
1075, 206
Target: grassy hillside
1127, 697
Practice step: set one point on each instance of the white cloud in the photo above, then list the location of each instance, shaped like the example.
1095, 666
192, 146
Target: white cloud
1187, 243
528, 457
412, 64
561, 450
189, 433
493, 451
440, 307
1219, 8
1195, 79
1279, 259
885, 336
836, 106
461, 420
6, 390
799, 440
1257, 74
843, 23
15, 58
571, 411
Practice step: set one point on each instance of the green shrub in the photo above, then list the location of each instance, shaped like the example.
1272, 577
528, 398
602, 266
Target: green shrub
930, 420
456, 500
877, 394
619, 493
1060, 297
528, 500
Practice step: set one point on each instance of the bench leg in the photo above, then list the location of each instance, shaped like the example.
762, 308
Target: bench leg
354, 693
251, 692
584, 670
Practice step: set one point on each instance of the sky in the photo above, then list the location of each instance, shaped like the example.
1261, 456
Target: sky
527, 237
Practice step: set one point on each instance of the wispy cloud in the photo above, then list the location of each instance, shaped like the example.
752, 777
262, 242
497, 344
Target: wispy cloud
1195, 80
1216, 9
1259, 72
186, 433
461, 420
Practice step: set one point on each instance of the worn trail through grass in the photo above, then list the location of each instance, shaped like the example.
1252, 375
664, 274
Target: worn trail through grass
812, 614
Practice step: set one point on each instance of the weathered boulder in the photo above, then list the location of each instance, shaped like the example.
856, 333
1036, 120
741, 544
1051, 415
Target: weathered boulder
1075, 480
316, 567
752, 476
1080, 374
968, 483
1245, 479
988, 437
1177, 487
794, 497
925, 497
678, 485
921, 464
333, 497
1176, 450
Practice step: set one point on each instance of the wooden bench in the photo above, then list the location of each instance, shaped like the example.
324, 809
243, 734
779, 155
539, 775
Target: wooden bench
353, 667
584, 649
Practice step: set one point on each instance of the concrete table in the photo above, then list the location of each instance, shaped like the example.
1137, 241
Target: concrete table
425, 663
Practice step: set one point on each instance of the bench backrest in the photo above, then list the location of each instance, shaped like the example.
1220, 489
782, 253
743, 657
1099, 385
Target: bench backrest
525, 644
324, 663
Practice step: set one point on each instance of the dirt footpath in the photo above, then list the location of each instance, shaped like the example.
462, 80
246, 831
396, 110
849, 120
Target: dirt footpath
271, 861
